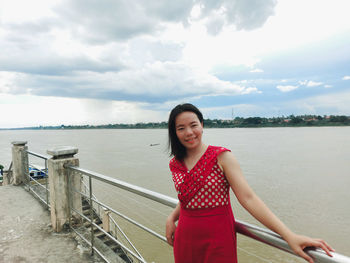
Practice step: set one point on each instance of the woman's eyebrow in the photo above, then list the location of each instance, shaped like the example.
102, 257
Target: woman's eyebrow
181, 125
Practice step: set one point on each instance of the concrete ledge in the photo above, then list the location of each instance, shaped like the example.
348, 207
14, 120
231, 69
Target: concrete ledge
62, 152
19, 143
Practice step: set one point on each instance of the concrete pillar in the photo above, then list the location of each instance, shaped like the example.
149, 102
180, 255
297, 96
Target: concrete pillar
58, 181
105, 220
20, 162
7, 178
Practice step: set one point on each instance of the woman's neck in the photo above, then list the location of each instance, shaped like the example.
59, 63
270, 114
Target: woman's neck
194, 155
198, 151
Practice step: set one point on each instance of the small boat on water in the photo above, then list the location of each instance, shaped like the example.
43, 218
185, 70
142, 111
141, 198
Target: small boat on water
1, 173
37, 172
34, 172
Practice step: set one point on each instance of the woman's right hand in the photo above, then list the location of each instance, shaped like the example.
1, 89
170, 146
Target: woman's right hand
170, 228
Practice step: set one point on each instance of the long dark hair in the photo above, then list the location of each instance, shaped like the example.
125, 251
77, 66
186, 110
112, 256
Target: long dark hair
175, 147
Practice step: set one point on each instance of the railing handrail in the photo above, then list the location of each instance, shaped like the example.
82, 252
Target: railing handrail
257, 233
112, 219
160, 198
45, 171
38, 155
10, 167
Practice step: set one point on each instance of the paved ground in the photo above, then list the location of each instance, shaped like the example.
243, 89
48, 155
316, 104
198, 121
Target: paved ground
26, 234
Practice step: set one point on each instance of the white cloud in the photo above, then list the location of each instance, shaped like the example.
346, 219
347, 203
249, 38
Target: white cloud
159, 52
239, 13
311, 83
257, 70
7, 81
110, 20
225, 112
121, 50
328, 86
18, 11
286, 88
251, 90
156, 82
328, 104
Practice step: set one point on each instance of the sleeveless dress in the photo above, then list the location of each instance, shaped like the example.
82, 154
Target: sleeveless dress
206, 228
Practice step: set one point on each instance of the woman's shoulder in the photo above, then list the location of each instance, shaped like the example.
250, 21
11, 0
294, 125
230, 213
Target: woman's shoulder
218, 149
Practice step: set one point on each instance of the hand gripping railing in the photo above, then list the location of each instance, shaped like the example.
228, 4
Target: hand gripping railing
260, 234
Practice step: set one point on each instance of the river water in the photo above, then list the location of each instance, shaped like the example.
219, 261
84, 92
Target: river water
302, 174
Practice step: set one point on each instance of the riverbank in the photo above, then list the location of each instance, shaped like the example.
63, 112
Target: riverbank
238, 122
26, 234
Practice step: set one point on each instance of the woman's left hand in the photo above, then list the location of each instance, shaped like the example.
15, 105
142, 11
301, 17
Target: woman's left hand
299, 242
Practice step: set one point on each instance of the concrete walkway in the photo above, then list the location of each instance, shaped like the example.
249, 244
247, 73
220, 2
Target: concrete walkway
26, 234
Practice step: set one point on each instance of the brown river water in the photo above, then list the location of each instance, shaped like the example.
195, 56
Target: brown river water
302, 174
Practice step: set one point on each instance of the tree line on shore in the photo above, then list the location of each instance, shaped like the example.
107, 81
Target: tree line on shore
238, 122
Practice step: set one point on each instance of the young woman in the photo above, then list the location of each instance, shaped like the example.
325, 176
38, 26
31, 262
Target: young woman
203, 175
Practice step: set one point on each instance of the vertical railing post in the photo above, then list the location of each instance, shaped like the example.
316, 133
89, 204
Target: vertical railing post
106, 222
70, 205
20, 162
60, 201
91, 216
46, 185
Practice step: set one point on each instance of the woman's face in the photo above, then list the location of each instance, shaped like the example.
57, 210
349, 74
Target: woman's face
189, 129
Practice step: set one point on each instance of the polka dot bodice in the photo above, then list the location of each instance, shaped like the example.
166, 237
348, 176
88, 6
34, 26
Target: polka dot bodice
205, 185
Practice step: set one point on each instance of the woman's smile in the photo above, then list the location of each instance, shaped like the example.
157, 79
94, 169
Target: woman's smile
189, 129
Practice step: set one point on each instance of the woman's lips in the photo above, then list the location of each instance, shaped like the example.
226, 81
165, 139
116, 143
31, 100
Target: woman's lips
191, 141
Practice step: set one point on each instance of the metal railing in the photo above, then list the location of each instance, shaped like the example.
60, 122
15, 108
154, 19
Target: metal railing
44, 198
34, 182
131, 250
257, 233
115, 226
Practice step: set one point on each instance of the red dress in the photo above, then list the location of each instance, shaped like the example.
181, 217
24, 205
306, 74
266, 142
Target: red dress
205, 232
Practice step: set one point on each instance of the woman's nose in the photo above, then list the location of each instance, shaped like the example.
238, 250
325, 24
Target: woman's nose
188, 130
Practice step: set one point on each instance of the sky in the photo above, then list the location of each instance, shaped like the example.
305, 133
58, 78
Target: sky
77, 62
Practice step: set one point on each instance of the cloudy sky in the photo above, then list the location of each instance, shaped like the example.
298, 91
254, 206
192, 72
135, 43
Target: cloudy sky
116, 61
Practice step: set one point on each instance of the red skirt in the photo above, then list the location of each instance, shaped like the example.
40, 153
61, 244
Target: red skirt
206, 236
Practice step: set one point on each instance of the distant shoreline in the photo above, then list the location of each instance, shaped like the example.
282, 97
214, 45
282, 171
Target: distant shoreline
238, 122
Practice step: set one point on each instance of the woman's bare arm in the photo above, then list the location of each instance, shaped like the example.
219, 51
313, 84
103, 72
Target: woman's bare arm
170, 225
257, 208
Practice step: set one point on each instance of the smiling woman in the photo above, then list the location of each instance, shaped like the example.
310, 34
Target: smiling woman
185, 128
189, 130
203, 176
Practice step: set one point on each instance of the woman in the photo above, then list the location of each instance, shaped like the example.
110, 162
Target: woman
203, 175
